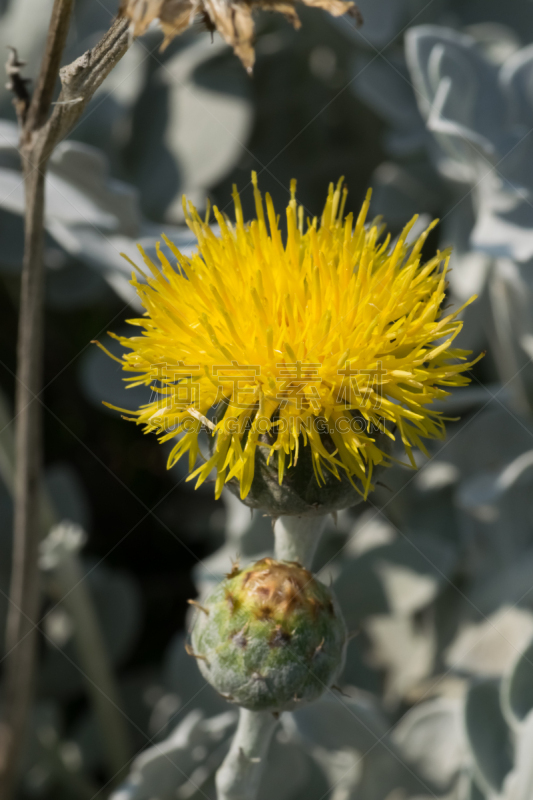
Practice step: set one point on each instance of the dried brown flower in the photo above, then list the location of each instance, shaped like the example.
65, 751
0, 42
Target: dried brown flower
232, 18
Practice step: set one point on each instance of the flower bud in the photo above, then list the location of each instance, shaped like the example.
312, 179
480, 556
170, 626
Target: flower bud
270, 637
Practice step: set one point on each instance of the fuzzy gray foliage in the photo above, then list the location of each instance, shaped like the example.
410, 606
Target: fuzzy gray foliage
434, 572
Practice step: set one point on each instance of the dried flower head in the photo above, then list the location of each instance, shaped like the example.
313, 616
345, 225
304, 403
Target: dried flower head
232, 18
324, 347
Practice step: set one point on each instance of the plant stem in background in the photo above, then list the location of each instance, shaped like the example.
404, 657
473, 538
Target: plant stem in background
239, 776
297, 538
40, 133
24, 590
21, 633
61, 563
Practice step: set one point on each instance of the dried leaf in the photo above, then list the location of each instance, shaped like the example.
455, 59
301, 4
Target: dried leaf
232, 18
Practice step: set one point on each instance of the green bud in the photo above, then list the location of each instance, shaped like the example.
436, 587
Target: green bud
270, 637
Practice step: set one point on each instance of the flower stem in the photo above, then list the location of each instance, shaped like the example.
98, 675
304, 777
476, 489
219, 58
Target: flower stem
240, 774
24, 596
297, 538
41, 130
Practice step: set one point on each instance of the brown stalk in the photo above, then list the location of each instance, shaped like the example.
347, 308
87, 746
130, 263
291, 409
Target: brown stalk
41, 131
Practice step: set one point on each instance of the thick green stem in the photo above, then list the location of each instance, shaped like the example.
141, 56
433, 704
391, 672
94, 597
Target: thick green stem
297, 538
240, 775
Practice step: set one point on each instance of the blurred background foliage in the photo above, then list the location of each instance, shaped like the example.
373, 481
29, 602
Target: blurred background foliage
431, 104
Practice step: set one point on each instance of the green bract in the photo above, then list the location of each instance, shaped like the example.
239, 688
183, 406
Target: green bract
270, 637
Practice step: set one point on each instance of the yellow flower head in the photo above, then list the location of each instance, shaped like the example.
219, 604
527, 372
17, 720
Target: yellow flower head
328, 341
